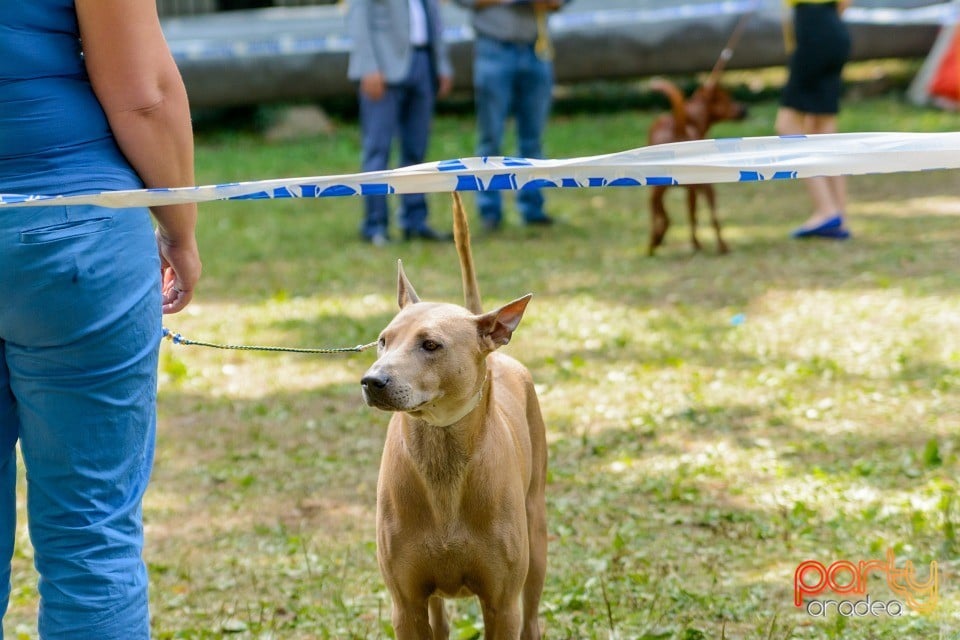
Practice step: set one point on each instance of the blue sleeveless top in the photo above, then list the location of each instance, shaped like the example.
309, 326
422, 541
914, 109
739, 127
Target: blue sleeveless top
54, 136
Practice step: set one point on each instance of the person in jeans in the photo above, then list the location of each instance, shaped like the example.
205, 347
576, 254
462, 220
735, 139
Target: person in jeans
91, 101
400, 62
512, 75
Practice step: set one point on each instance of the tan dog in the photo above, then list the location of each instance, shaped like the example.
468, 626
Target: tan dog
460, 498
689, 119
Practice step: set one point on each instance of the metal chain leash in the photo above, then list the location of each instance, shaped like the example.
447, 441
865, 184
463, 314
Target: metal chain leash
176, 338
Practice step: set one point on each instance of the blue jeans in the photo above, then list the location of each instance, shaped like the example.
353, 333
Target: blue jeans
404, 112
509, 79
78, 380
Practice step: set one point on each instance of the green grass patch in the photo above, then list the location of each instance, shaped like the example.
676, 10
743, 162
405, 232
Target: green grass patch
713, 421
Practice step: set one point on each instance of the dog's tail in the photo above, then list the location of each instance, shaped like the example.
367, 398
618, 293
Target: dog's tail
461, 237
677, 102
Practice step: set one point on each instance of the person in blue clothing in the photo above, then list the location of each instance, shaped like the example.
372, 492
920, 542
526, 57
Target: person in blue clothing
512, 75
401, 65
91, 100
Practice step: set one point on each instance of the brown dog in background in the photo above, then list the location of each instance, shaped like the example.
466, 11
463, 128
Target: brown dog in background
689, 119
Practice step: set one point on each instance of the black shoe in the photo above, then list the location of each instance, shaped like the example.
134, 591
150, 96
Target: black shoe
541, 221
428, 234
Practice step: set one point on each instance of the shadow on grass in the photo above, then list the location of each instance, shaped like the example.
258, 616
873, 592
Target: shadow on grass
657, 525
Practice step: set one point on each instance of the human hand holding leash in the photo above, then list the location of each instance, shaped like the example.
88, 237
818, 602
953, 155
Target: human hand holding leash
180, 269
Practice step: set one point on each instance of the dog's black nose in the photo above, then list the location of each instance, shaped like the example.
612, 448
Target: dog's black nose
374, 381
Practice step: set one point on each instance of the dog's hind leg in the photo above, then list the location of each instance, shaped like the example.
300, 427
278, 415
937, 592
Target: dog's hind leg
708, 190
659, 222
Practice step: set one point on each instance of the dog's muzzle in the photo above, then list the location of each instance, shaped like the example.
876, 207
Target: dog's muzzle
381, 391
375, 390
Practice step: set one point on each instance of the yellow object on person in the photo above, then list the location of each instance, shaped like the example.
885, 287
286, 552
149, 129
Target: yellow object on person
543, 46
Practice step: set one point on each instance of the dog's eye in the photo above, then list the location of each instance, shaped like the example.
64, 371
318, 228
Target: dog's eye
430, 345
381, 343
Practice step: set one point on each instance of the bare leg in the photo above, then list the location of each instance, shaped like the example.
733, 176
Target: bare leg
824, 204
837, 185
828, 193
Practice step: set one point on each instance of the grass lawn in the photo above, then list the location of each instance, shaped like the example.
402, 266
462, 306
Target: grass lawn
713, 421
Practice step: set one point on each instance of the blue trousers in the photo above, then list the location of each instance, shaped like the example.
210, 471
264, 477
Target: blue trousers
79, 336
405, 113
509, 79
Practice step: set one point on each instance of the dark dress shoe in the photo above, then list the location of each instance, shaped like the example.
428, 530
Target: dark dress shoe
541, 221
427, 234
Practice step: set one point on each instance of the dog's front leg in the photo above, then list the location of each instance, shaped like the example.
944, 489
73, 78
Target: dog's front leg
692, 216
502, 621
438, 619
659, 222
533, 586
411, 620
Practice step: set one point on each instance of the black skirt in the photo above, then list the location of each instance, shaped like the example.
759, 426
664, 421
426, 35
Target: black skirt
823, 47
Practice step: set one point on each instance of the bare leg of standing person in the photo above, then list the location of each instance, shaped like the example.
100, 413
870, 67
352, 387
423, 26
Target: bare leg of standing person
828, 193
836, 185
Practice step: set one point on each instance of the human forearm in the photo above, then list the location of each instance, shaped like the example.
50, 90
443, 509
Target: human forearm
157, 141
143, 97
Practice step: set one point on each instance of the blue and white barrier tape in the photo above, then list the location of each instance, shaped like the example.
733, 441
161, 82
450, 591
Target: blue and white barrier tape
702, 161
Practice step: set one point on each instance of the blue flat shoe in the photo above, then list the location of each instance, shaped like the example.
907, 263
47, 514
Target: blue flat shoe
832, 234
829, 228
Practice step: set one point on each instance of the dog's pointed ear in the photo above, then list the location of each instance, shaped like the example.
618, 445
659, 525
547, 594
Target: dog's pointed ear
496, 327
405, 291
